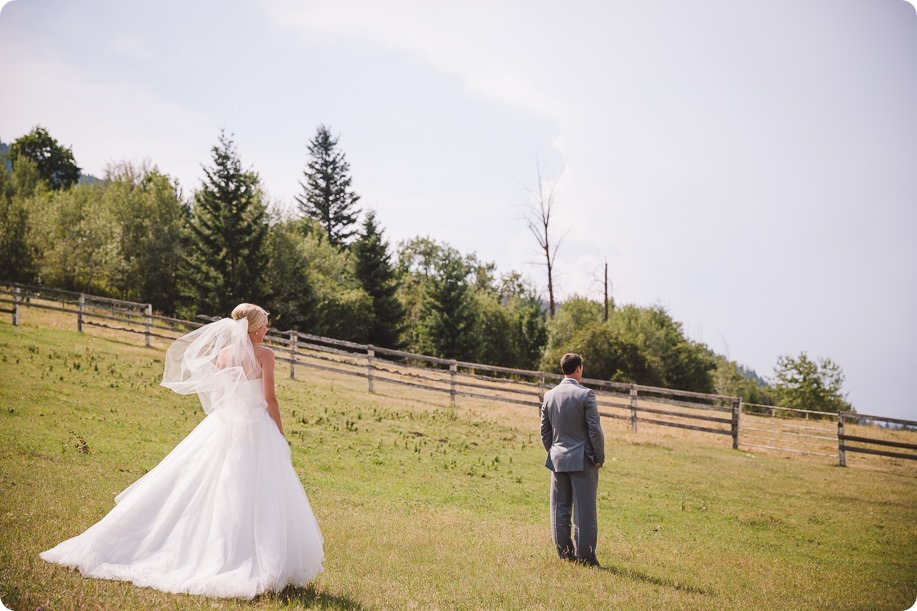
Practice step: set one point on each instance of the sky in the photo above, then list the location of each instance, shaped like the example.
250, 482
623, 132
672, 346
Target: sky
749, 166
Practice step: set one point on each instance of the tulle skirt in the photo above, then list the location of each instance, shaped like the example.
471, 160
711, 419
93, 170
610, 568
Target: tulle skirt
224, 515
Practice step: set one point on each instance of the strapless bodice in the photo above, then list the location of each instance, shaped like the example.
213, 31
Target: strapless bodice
242, 402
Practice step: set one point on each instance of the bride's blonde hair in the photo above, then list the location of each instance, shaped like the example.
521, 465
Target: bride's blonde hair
257, 316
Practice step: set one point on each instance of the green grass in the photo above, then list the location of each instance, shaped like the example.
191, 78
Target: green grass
423, 505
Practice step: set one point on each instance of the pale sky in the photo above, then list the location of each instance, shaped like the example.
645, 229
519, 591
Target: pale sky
751, 166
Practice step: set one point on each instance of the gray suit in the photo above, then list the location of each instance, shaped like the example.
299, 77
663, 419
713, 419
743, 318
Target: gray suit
571, 432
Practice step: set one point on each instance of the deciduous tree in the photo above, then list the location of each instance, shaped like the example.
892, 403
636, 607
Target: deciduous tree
150, 214
345, 309
635, 344
292, 299
55, 162
18, 254
803, 383
79, 238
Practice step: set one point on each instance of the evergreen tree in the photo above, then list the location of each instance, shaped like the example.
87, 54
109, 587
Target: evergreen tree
449, 311
327, 196
55, 162
226, 240
374, 269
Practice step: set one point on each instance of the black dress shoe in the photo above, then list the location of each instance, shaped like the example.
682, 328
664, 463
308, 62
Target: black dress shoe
589, 562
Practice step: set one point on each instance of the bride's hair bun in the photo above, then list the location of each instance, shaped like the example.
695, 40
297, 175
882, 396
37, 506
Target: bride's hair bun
257, 316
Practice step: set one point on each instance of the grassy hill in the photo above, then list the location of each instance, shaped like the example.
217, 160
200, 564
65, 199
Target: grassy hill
423, 505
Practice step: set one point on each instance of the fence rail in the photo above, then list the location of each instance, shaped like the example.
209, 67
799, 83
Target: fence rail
767, 427
843, 438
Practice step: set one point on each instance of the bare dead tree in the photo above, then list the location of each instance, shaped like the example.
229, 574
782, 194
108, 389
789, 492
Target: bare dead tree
538, 218
128, 171
606, 290
600, 277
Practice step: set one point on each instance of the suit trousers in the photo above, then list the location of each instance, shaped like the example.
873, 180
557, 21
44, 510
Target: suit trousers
573, 495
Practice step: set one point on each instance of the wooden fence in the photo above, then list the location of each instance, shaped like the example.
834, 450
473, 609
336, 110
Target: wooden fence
782, 429
91, 310
750, 426
842, 438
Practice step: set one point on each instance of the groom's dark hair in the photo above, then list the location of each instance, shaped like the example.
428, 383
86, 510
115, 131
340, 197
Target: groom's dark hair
570, 362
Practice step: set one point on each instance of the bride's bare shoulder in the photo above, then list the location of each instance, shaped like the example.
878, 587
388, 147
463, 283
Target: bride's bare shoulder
263, 352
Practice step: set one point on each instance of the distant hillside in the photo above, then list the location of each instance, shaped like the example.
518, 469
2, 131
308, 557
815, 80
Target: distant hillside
88, 179
751, 374
5, 154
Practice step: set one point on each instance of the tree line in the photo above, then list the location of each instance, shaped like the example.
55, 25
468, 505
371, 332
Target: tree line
328, 269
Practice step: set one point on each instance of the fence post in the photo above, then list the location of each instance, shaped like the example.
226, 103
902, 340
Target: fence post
541, 387
841, 454
453, 368
293, 338
16, 307
370, 355
736, 412
79, 314
633, 408
148, 310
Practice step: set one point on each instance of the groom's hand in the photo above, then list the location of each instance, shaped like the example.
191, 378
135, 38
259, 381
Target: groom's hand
598, 465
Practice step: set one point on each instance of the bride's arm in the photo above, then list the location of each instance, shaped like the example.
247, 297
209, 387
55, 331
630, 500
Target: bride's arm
270, 395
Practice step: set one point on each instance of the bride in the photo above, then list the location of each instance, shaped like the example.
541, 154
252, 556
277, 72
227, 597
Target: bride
224, 514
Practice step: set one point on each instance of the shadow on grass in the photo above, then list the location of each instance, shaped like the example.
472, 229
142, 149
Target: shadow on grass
309, 597
657, 581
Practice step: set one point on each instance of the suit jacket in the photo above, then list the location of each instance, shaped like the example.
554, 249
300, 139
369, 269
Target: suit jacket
571, 430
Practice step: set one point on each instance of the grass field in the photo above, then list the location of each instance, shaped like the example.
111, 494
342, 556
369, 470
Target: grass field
427, 506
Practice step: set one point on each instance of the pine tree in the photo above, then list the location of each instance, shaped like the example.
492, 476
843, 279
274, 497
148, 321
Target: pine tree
226, 239
327, 196
449, 311
374, 269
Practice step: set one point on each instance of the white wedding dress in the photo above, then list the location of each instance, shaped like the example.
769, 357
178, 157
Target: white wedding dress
224, 514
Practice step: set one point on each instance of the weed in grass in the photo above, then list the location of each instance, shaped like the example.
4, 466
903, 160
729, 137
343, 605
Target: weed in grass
79, 443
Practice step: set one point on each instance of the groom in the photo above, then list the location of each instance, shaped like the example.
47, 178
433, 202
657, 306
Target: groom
572, 435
